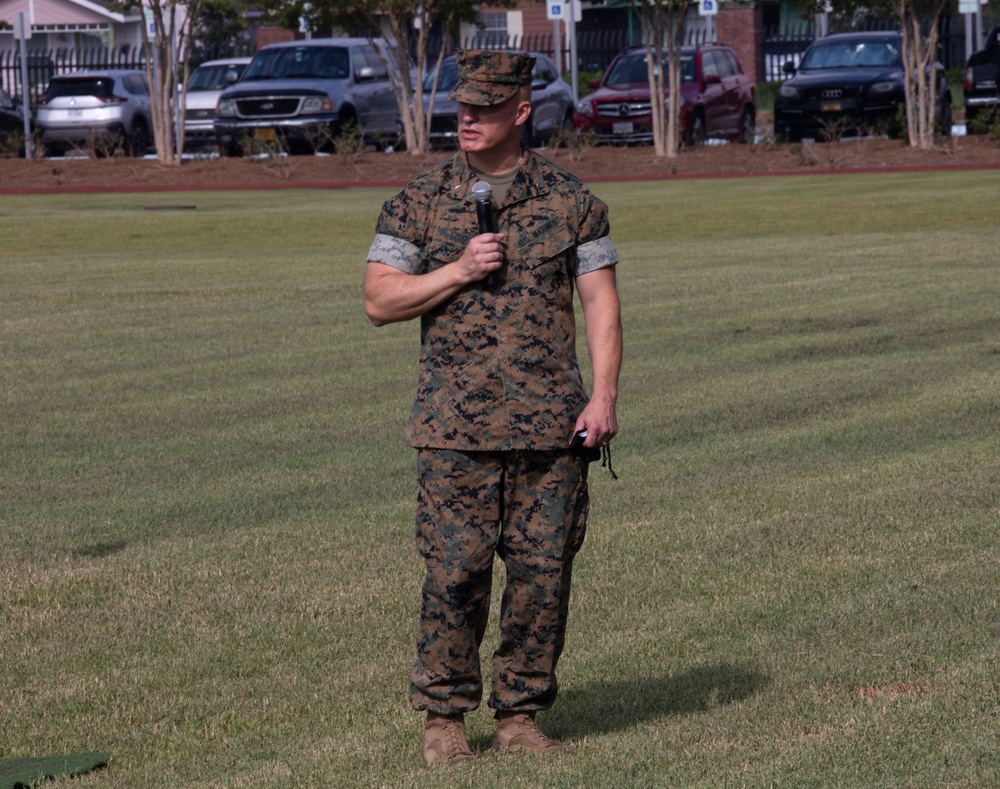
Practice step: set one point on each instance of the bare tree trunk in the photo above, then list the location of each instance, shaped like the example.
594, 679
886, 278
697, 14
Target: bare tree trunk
161, 61
419, 119
410, 96
429, 118
920, 77
675, 19
399, 20
919, 73
657, 95
651, 19
663, 25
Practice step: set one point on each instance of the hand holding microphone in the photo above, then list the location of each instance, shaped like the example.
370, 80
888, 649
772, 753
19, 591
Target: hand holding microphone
482, 194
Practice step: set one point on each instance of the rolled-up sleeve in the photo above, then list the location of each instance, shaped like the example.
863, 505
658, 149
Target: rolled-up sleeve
594, 247
395, 252
593, 255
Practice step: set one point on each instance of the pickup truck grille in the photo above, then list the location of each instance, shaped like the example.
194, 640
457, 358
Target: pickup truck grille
267, 107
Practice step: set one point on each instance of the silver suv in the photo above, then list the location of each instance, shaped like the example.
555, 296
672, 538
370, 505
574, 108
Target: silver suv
96, 110
303, 94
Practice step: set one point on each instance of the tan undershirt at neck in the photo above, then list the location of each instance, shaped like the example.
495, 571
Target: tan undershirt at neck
500, 183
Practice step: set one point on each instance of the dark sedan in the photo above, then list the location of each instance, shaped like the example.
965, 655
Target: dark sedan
850, 83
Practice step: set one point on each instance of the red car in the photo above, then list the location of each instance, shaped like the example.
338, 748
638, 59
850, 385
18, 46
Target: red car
717, 98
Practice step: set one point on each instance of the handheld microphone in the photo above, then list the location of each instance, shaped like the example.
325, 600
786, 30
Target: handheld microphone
482, 193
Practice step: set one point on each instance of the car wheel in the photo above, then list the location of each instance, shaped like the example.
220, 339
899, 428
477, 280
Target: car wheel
747, 127
348, 123
696, 134
138, 141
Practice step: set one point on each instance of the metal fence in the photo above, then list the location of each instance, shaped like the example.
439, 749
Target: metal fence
595, 49
45, 64
788, 42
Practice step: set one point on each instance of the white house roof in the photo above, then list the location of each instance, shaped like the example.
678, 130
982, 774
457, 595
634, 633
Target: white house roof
59, 14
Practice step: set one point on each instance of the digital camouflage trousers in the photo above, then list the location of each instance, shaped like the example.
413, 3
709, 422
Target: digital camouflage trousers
530, 509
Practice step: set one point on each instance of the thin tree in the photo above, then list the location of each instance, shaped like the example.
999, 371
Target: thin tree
166, 55
662, 24
920, 68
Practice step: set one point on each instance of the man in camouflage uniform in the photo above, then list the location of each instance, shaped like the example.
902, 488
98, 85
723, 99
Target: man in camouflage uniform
499, 399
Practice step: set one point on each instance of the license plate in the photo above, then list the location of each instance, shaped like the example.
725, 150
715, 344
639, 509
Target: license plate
76, 113
265, 135
622, 127
831, 106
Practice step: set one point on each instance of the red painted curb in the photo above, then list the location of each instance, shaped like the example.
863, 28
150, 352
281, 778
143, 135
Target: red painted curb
50, 190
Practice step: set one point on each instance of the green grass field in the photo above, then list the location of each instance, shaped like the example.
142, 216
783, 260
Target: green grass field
206, 508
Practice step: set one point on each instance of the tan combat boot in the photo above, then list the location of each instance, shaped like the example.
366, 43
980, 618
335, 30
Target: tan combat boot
517, 731
444, 739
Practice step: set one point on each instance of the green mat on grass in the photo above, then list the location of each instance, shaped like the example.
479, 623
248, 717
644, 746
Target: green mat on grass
26, 772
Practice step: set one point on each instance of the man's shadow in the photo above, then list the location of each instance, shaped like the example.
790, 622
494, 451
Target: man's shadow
621, 704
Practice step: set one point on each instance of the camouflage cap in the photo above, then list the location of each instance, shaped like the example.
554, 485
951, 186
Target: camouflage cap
487, 77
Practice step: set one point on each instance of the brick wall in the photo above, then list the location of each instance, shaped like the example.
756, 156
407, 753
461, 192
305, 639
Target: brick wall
267, 34
743, 30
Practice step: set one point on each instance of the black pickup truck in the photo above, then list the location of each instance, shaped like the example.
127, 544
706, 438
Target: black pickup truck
982, 78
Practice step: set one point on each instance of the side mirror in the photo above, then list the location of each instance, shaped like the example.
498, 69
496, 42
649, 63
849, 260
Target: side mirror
365, 73
231, 76
713, 79
789, 67
595, 83
539, 84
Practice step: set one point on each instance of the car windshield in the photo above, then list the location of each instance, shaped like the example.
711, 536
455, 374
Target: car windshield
299, 62
633, 69
851, 54
102, 87
213, 77
449, 77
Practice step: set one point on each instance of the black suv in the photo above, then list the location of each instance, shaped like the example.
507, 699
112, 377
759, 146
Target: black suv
850, 83
981, 83
303, 94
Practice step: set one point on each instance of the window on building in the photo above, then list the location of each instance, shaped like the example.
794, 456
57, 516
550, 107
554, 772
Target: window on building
493, 27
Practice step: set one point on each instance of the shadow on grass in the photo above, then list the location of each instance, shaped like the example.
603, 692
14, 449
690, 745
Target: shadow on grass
99, 550
621, 704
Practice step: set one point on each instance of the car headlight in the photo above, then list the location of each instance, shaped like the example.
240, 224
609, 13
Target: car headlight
788, 92
226, 108
585, 108
316, 104
883, 87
